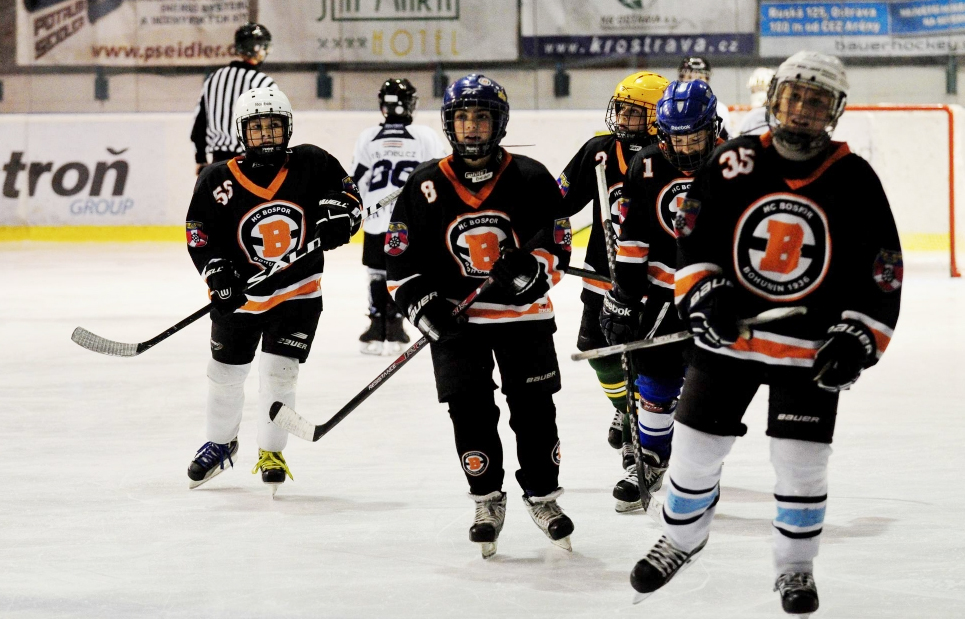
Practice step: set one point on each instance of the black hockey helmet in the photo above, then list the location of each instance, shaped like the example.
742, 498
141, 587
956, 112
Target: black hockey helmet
694, 68
397, 100
253, 41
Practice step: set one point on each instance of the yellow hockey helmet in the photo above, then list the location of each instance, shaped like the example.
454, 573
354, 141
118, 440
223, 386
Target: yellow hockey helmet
632, 113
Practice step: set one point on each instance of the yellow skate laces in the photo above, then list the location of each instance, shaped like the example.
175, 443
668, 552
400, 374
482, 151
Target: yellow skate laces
268, 460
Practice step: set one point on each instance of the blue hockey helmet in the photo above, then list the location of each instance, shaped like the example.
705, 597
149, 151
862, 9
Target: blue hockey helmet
475, 91
687, 124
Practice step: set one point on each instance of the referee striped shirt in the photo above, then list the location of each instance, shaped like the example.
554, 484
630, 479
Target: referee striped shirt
214, 128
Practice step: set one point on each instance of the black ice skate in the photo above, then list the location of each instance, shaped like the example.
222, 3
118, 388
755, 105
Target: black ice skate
627, 492
395, 335
488, 522
373, 340
615, 433
549, 517
799, 594
660, 565
273, 469
209, 461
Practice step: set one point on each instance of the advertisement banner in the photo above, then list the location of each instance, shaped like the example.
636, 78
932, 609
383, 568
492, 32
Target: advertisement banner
397, 31
895, 28
127, 32
623, 28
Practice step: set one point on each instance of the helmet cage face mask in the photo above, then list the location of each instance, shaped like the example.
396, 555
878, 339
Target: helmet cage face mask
688, 151
808, 118
643, 116
687, 124
480, 92
268, 144
398, 100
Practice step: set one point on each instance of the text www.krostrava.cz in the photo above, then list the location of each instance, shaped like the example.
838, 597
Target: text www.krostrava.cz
149, 53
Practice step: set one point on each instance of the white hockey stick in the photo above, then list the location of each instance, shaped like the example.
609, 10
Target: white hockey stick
771, 315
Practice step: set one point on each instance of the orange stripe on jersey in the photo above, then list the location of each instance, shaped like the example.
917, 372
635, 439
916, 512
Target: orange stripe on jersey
882, 332
551, 261
595, 286
262, 192
841, 151
256, 307
775, 350
687, 277
661, 275
621, 162
637, 253
493, 312
474, 200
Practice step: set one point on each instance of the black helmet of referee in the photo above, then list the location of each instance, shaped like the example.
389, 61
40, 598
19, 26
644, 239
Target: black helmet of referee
253, 42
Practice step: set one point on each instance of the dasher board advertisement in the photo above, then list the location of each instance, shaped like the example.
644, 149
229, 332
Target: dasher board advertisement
386, 31
626, 28
143, 33
884, 29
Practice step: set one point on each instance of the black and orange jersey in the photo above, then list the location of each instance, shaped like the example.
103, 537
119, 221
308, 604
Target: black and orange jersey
818, 234
255, 226
578, 185
444, 238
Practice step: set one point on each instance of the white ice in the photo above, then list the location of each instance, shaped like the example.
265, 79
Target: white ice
96, 519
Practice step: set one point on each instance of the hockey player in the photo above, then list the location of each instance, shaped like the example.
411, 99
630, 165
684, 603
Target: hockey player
698, 68
248, 214
657, 182
483, 212
755, 121
630, 117
384, 156
786, 218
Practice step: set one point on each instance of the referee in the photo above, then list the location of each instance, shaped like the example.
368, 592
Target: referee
214, 130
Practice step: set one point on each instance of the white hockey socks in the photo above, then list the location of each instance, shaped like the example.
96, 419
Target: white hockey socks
801, 493
694, 485
226, 399
278, 376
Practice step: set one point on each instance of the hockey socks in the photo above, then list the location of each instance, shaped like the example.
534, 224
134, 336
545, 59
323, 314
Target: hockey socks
278, 377
226, 399
614, 383
801, 493
655, 413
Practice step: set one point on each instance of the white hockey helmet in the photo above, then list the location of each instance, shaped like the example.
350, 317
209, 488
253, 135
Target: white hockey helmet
759, 83
263, 102
802, 134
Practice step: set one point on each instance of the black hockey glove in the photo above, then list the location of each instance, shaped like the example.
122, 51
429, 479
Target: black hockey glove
340, 217
712, 317
850, 349
432, 315
620, 317
516, 271
227, 287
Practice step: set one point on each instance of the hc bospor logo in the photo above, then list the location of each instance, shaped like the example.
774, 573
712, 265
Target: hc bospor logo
669, 201
475, 240
475, 463
782, 247
271, 231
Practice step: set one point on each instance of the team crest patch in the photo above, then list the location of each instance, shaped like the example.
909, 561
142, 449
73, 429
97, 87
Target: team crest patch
562, 232
271, 231
669, 201
888, 270
396, 238
476, 240
348, 185
475, 463
623, 207
686, 217
557, 456
564, 184
196, 237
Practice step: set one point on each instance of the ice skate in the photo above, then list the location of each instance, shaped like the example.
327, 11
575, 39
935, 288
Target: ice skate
615, 433
372, 341
488, 522
273, 469
799, 594
627, 493
395, 336
209, 461
549, 517
661, 564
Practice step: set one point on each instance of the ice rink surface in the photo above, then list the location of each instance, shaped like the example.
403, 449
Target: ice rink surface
96, 519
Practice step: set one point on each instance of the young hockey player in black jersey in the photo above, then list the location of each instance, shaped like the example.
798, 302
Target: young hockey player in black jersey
248, 214
657, 183
630, 117
783, 219
485, 213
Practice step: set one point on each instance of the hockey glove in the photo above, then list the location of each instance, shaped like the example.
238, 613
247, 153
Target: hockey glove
850, 349
713, 319
516, 271
432, 315
339, 218
227, 287
620, 317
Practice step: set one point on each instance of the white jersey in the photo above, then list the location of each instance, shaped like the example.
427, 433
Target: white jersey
384, 156
754, 122
724, 114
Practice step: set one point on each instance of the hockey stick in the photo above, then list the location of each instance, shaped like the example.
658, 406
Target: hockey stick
649, 505
586, 274
96, 343
771, 315
297, 425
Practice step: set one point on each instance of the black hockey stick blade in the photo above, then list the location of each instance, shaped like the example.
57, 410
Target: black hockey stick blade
771, 315
104, 346
585, 274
